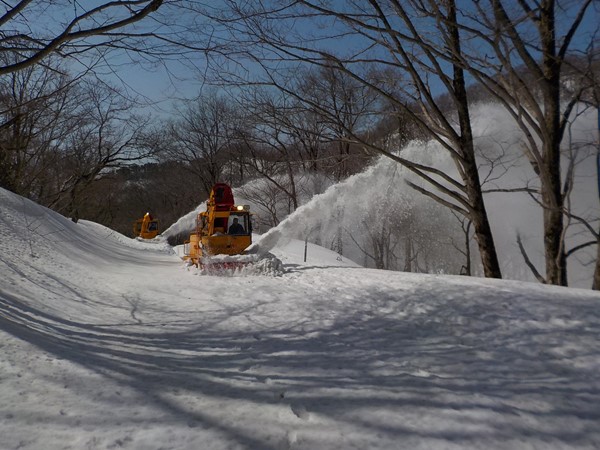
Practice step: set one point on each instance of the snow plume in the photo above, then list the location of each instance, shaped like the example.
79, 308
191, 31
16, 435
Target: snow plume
359, 202
186, 224
357, 205
300, 222
269, 203
304, 220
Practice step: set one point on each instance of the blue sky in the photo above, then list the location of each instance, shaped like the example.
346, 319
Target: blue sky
174, 80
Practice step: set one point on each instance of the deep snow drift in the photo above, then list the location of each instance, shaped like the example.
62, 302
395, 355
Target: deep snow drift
108, 342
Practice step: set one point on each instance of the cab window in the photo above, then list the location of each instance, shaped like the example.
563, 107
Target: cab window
237, 224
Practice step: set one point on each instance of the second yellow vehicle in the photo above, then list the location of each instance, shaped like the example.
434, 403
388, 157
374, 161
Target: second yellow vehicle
146, 227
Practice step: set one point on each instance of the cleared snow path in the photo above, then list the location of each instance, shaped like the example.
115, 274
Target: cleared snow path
109, 343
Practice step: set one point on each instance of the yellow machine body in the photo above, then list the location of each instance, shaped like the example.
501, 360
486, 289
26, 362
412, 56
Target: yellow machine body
215, 232
146, 227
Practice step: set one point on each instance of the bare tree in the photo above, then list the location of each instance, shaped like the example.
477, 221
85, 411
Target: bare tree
203, 137
69, 29
312, 139
105, 134
267, 198
350, 107
581, 223
383, 38
465, 248
274, 140
35, 104
521, 57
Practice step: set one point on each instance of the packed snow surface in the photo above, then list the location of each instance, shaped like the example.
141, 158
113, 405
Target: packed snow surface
112, 343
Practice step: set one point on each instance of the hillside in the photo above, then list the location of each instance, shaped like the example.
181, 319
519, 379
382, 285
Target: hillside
108, 342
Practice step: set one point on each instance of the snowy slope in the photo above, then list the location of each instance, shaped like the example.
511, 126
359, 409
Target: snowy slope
108, 342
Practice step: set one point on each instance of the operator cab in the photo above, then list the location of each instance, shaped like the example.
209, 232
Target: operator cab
239, 223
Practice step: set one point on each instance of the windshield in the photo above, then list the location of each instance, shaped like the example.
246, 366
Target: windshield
238, 223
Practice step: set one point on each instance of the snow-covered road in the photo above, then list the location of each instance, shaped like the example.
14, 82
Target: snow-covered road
109, 343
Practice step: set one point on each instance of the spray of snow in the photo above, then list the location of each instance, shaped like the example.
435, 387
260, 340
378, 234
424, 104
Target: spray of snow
304, 219
353, 199
185, 224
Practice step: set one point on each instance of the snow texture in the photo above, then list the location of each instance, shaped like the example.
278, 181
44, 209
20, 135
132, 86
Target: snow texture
113, 343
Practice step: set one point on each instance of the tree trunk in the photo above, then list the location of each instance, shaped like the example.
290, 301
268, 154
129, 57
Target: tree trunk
552, 201
481, 224
596, 282
408, 255
467, 266
552, 198
470, 172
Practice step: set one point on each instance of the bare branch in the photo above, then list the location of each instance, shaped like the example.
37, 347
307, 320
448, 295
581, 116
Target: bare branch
35, 50
535, 272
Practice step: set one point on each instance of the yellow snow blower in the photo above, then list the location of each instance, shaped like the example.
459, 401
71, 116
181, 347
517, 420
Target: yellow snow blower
146, 227
223, 229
